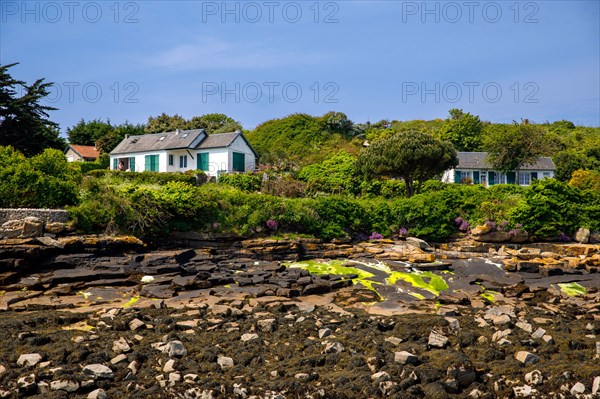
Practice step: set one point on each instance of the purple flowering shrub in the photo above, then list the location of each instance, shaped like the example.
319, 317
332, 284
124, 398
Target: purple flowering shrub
375, 236
272, 224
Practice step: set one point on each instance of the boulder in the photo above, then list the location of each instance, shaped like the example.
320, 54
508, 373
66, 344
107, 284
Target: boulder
582, 236
594, 237
494, 236
98, 371
32, 227
54, 227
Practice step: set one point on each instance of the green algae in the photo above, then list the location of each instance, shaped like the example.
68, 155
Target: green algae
572, 289
427, 281
132, 301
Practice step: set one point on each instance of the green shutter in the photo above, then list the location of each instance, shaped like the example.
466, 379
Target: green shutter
457, 176
475, 177
155, 163
115, 163
239, 162
491, 178
202, 161
132, 164
511, 177
148, 162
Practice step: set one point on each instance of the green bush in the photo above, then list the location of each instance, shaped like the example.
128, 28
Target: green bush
149, 177
249, 181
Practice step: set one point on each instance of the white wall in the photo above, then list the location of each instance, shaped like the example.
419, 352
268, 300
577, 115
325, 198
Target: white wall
240, 145
140, 160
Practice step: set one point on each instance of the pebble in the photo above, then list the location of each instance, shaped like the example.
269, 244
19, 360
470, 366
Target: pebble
437, 340
453, 323
175, 349
30, 359
524, 326
393, 340
26, 382
136, 324
249, 337
596, 385
380, 375
501, 320
2, 370
169, 366
97, 394
324, 332
266, 325
538, 334
121, 346
98, 371
334, 347
302, 376
548, 339
578, 388
524, 391
225, 362
405, 357
526, 357
534, 378
118, 359
64, 385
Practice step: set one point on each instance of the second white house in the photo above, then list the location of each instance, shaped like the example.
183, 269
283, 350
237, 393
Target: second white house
184, 150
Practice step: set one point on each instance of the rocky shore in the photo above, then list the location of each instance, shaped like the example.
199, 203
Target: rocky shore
214, 317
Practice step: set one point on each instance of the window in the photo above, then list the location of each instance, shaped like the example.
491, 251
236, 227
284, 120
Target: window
161, 138
524, 178
546, 175
501, 178
483, 177
171, 160
183, 161
183, 136
202, 161
151, 163
239, 162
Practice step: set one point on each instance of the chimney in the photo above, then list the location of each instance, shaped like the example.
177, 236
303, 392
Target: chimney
126, 136
177, 131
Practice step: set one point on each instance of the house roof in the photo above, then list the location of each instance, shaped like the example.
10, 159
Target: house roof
158, 141
85, 151
221, 140
478, 160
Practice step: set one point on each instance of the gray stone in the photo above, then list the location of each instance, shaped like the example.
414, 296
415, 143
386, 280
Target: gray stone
324, 332
175, 349
524, 326
136, 324
524, 391
225, 362
437, 340
121, 346
393, 340
596, 385
169, 366
249, 337
98, 371
382, 376
501, 320
534, 378
582, 236
64, 385
405, 357
577, 389
97, 394
453, 324
302, 376
30, 359
32, 227
118, 359
334, 347
26, 382
417, 242
539, 333
526, 357
266, 325
548, 339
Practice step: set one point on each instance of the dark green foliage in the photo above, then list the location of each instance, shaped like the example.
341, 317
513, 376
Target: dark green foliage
412, 156
334, 175
249, 181
149, 177
43, 181
212, 123
87, 133
24, 122
463, 130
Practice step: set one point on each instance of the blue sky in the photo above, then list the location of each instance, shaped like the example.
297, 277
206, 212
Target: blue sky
255, 61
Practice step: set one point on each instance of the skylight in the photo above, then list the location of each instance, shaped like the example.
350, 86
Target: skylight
162, 138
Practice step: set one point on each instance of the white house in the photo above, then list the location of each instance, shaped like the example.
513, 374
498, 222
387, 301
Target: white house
473, 168
184, 150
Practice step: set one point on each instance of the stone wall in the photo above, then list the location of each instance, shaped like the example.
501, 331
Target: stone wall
45, 215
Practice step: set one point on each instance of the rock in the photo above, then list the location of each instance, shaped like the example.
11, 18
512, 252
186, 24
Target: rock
334, 347
64, 385
437, 340
453, 324
26, 383
534, 378
30, 359
2, 370
501, 320
175, 349
382, 376
594, 237
169, 366
577, 389
118, 359
121, 346
405, 357
539, 333
582, 236
526, 357
97, 394
136, 324
464, 374
417, 242
324, 332
524, 391
32, 227
481, 229
475, 394
249, 337
494, 236
225, 362
266, 325
524, 326
98, 371
302, 377
596, 386
548, 339
393, 340
54, 227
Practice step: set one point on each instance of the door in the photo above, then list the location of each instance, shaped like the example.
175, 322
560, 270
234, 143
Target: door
202, 161
511, 177
491, 178
239, 162
457, 176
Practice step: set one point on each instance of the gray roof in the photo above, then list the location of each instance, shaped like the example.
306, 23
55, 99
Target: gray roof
219, 140
478, 160
156, 142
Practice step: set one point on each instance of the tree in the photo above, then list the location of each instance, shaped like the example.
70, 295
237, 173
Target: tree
510, 147
24, 122
463, 130
109, 141
87, 133
412, 156
214, 123
166, 123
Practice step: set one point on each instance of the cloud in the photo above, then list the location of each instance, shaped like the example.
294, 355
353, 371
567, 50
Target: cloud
206, 53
